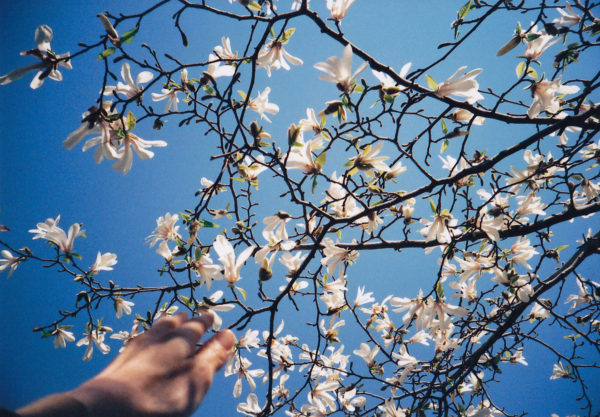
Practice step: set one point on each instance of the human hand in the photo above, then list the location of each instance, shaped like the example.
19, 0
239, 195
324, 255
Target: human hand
161, 372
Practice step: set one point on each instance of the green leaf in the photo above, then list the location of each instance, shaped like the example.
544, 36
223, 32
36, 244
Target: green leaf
520, 68
242, 291
440, 290
209, 90
444, 127
358, 88
129, 35
320, 161
206, 223
107, 52
464, 11
130, 121
532, 36
431, 83
433, 206
287, 35
314, 183
254, 6
561, 248
241, 93
445, 144
509, 46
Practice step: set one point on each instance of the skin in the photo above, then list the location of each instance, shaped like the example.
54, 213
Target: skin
161, 372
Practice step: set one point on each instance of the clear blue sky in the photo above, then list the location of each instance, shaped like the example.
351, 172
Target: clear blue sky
40, 179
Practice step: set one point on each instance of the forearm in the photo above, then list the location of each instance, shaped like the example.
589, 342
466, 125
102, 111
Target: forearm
56, 405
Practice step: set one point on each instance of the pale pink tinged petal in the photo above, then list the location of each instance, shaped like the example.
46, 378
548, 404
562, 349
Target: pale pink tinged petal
67, 63
98, 155
360, 69
90, 142
126, 74
223, 71
293, 60
144, 77
109, 89
242, 257
19, 73
55, 75
75, 137
457, 73
160, 96
347, 58
535, 109
37, 82
123, 164
568, 89
404, 70
43, 37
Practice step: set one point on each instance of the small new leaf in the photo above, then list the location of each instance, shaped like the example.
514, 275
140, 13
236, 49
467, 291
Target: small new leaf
130, 121
129, 35
431, 83
106, 53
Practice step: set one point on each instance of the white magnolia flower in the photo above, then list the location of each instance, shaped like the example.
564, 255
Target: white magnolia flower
388, 84
250, 407
216, 70
48, 67
231, 265
204, 268
165, 229
62, 336
389, 409
522, 251
465, 116
122, 306
274, 230
518, 357
250, 168
583, 297
335, 255
367, 353
51, 232
405, 360
310, 123
301, 157
363, 298
568, 17
273, 56
339, 70
462, 86
261, 104
132, 143
104, 262
339, 8
9, 262
130, 89
536, 47
224, 50
171, 95
213, 307
367, 160
439, 229
94, 337
545, 96
559, 371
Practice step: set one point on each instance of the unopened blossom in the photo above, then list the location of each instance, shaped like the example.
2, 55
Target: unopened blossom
62, 336
465, 116
231, 265
335, 255
224, 50
48, 67
559, 371
301, 157
93, 337
9, 262
273, 56
545, 96
568, 17
165, 229
461, 85
130, 89
536, 47
104, 262
367, 160
261, 105
339, 70
522, 251
122, 306
388, 84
